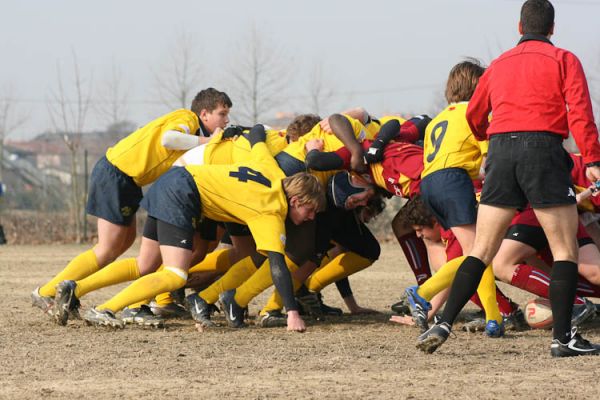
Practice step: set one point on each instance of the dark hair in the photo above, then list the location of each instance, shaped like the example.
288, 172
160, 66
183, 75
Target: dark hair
301, 125
416, 212
209, 99
537, 16
463, 79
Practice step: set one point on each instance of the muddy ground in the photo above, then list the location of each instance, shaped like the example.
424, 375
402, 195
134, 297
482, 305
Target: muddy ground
341, 358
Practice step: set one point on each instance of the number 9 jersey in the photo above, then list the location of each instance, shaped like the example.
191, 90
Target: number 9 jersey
248, 193
450, 143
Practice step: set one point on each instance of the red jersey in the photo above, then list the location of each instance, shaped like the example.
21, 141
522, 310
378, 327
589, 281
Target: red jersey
399, 172
453, 248
581, 183
535, 87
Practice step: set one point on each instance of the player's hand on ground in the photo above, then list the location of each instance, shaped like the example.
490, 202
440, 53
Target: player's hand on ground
402, 320
295, 322
314, 144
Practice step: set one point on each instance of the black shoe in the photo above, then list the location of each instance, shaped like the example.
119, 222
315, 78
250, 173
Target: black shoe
328, 310
65, 302
200, 309
435, 336
311, 305
516, 321
577, 346
234, 313
401, 307
583, 312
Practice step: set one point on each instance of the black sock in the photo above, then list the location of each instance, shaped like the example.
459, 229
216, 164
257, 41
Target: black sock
563, 284
464, 286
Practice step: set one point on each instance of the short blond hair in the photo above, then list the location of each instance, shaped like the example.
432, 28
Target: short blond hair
463, 79
306, 188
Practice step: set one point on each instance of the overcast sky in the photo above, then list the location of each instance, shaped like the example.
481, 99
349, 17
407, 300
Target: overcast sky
388, 56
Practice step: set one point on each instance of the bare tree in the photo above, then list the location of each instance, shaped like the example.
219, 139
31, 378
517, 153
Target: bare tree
113, 97
179, 76
319, 92
257, 77
10, 119
68, 119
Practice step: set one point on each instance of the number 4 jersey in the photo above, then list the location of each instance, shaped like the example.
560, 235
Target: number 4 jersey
449, 143
248, 193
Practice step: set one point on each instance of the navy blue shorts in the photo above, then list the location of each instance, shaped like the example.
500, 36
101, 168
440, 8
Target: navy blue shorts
450, 195
527, 167
112, 196
174, 199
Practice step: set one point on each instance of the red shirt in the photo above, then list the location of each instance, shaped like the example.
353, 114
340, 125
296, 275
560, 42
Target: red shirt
535, 87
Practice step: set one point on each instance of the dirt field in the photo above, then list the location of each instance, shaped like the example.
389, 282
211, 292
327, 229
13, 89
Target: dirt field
341, 358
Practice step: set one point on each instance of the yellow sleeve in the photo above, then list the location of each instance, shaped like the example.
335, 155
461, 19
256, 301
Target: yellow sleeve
483, 147
184, 123
268, 231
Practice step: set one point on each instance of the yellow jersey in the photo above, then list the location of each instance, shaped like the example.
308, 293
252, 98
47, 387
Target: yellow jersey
229, 151
142, 156
248, 193
330, 143
449, 143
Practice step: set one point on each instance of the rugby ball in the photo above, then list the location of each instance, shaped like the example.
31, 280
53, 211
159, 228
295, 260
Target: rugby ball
538, 313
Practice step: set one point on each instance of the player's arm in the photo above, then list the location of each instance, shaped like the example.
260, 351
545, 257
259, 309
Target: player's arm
410, 131
282, 279
343, 130
321, 161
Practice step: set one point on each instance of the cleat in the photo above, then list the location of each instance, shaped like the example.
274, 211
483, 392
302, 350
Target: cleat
44, 303
200, 309
102, 318
311, 305
142, 316
434, 337
234, 313
577, 346
418, 307
271, 319
516, 321
328, 310
178, 295
583, 312
401, 307
171, 310
494, 329
476, 325
65, 302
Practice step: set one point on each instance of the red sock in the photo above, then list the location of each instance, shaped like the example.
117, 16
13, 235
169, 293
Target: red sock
506, 306
416, 254
534, 280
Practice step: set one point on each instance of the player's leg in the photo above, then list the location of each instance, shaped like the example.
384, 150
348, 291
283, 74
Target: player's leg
176, 253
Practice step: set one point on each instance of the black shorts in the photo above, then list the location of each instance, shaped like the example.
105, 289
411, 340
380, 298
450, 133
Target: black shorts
207, 228
342, 227
527, 167
174, 199
532, 236
535, 237
112, 196
168, 235
450, 195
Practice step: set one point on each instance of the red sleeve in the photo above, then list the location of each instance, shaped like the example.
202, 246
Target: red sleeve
408, 132
580, 114
345, 155
478, 110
